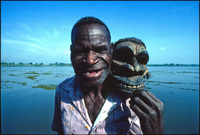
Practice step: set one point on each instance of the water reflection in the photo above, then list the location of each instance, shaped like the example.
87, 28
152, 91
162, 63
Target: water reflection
28, 93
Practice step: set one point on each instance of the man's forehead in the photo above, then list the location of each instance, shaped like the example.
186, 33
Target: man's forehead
91, 29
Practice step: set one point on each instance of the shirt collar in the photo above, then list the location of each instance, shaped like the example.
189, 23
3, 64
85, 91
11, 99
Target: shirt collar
111, 103
69, 84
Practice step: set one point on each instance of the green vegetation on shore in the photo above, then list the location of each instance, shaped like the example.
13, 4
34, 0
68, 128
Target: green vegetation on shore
172, 64
20, 64
56, 64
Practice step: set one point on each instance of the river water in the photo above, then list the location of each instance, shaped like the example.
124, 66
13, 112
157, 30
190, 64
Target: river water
27, 97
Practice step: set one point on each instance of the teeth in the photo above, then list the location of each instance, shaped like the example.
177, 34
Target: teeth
129, 88
133, 87
88, 72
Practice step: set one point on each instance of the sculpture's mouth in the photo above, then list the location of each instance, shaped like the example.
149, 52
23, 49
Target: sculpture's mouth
129, 84
130, 88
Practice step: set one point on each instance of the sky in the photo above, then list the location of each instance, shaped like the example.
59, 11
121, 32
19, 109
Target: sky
40, 31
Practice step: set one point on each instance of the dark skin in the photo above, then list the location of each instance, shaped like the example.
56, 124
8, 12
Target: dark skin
150, 111
91, 57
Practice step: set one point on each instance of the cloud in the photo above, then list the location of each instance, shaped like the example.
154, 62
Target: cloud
28, 37
59, 50
34, 51
25, 44
68, 52
67, 26
162, 48
56, 32
25, 36
8, 33
25, 26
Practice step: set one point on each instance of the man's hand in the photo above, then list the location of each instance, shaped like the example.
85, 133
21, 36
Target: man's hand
150, 110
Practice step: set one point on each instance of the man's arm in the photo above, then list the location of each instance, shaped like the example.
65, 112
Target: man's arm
150, 111
57, 122
60, 133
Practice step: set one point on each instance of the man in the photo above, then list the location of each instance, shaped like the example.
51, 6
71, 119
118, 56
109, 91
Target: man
87, 103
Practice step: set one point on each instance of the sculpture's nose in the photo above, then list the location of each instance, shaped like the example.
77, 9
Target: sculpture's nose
136, 66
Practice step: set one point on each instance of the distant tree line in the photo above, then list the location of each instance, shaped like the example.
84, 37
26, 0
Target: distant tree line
172, 64
21, 64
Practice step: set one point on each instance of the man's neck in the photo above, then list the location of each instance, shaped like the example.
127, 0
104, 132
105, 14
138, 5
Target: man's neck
93, 92
100, 90
94, 98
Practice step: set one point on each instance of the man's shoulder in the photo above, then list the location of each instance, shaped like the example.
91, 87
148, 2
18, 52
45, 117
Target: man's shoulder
68, 84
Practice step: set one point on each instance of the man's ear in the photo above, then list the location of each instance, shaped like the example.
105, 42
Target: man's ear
71, 52
111, 47
70, 47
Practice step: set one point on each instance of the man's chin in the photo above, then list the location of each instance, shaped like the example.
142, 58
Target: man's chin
92, 83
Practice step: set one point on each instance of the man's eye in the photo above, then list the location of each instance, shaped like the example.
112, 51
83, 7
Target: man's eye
101, 49
77, 51
143, 57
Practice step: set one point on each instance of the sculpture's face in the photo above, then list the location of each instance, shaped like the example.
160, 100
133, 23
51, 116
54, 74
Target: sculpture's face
129, 66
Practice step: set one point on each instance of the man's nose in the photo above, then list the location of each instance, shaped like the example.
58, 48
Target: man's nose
136, 66
91, 58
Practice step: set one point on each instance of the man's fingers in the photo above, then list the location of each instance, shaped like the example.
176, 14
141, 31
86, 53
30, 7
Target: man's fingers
153, 96
138, 111
158, 104
140, 104
149, 99
145, 97
149, 109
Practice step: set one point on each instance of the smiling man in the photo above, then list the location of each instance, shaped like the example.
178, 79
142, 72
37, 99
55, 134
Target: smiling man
91, 60
80, 99
87, 103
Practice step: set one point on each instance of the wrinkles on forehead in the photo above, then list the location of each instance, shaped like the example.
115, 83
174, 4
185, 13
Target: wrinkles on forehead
90, 32
91, 39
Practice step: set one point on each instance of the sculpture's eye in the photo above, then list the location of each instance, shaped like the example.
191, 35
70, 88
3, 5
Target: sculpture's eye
124, 55
143, 57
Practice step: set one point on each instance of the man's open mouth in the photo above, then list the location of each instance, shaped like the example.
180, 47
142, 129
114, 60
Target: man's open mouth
93, 73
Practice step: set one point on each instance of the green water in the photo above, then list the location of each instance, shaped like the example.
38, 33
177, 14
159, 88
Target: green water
27, 97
